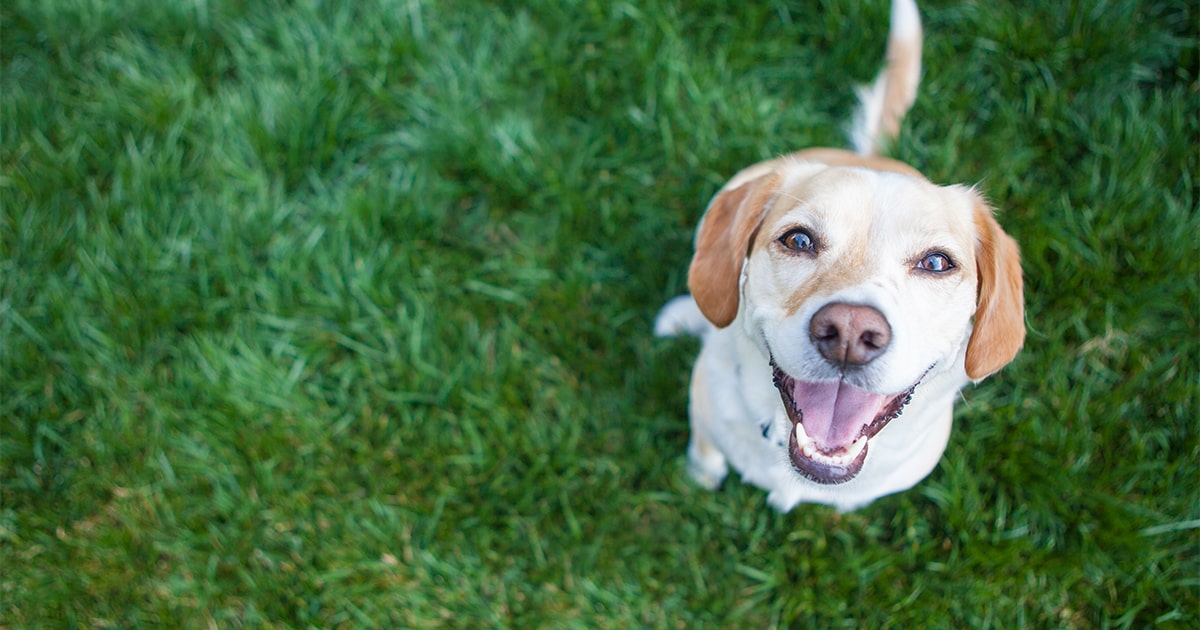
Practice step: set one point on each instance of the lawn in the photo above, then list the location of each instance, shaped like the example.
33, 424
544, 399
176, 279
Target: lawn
321, 314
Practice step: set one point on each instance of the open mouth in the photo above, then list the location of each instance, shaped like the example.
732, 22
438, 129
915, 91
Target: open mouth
832, 423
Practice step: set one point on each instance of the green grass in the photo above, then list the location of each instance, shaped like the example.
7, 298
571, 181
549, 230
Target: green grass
338, 315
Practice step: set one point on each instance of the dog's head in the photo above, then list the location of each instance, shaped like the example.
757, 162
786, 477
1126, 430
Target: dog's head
857, 283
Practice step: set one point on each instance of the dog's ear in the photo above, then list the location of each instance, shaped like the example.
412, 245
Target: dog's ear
722, 244
999, 330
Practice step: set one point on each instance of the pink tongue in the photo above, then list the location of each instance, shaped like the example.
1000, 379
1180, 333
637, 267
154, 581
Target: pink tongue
834, 412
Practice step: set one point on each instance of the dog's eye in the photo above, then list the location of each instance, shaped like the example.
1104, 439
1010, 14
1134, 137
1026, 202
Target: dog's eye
798, 240
935, 262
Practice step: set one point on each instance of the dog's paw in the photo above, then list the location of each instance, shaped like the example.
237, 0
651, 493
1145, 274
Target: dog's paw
782, 501
707, 470
706, 478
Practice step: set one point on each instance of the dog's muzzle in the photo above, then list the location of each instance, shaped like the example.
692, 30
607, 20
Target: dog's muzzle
832, 424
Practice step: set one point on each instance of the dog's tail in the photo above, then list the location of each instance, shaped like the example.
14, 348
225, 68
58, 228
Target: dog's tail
882, 104
681, 316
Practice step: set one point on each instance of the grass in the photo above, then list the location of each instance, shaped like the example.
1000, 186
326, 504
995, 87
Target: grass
338, 315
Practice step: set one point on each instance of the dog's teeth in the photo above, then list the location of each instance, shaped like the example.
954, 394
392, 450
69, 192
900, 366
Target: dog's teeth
856, 447
808, 448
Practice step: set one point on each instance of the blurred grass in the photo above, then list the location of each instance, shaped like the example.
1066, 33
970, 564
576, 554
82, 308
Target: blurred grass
338, 315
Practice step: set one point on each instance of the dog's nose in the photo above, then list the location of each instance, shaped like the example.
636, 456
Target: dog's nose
850, 334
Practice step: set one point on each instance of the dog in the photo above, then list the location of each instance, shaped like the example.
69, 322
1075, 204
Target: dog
843, 300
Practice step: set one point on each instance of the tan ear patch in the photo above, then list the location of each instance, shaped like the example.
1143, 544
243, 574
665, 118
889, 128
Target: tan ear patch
722, 244
999, 330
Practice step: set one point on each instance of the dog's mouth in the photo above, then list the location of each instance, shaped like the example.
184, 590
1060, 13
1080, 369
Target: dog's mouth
832, 422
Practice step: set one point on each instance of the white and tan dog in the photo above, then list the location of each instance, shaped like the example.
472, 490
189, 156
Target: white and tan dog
843, 301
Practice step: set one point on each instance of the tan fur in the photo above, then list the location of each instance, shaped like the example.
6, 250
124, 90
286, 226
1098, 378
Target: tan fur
999, 330
850, 273
903, 60
721, 246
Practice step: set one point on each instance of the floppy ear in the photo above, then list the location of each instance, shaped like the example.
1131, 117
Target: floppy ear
722, 244
999, 330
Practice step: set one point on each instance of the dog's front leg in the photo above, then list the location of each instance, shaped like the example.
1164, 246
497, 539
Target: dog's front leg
706, 462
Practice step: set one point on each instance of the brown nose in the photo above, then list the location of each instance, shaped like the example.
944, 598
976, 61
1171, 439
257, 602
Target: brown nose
849, 334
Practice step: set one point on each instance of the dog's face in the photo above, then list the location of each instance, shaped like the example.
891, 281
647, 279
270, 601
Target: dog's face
858, 285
